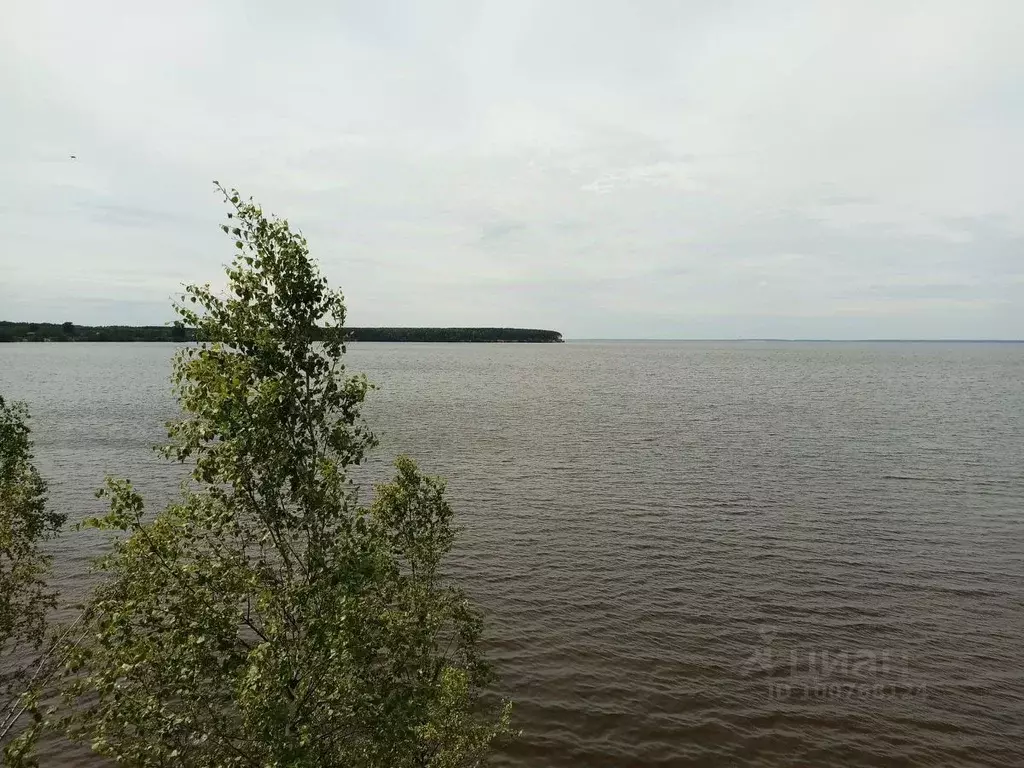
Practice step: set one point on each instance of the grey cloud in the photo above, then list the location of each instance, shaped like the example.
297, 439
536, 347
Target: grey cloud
118, 215
845, 200
501, 230
695, 169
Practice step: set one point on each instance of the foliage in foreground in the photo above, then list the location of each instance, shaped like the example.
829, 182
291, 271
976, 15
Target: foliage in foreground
266, 618
25, 599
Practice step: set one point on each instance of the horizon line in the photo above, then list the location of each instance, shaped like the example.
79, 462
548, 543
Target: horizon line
810, 339
796, 340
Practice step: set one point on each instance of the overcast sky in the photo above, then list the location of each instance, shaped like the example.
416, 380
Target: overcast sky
637, 169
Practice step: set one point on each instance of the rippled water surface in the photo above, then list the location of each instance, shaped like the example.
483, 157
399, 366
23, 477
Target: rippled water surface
749, 554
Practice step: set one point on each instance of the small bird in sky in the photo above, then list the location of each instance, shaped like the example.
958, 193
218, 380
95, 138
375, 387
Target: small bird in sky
73, 157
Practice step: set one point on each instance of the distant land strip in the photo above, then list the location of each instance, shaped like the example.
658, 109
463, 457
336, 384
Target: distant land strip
68, 332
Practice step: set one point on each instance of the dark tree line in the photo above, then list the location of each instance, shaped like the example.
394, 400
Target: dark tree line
454, 334
178, 333
70, 332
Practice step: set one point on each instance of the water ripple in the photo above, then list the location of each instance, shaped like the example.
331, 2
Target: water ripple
689, 554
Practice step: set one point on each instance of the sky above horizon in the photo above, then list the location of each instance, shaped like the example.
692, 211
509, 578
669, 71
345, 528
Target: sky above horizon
664, 169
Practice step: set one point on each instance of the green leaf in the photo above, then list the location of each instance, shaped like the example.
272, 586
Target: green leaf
266, 618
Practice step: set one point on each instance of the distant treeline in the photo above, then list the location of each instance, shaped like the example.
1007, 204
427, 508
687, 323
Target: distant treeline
71, 332
453, 334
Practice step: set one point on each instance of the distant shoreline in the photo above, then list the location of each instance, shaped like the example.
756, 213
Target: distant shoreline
61, 332
69, 332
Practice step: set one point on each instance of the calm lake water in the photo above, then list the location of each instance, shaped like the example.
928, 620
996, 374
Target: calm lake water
749, 554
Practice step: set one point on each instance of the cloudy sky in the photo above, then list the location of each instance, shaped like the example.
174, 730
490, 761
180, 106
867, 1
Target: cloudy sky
609, 169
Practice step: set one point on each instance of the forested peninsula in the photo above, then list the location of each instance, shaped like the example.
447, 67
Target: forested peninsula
69, 332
